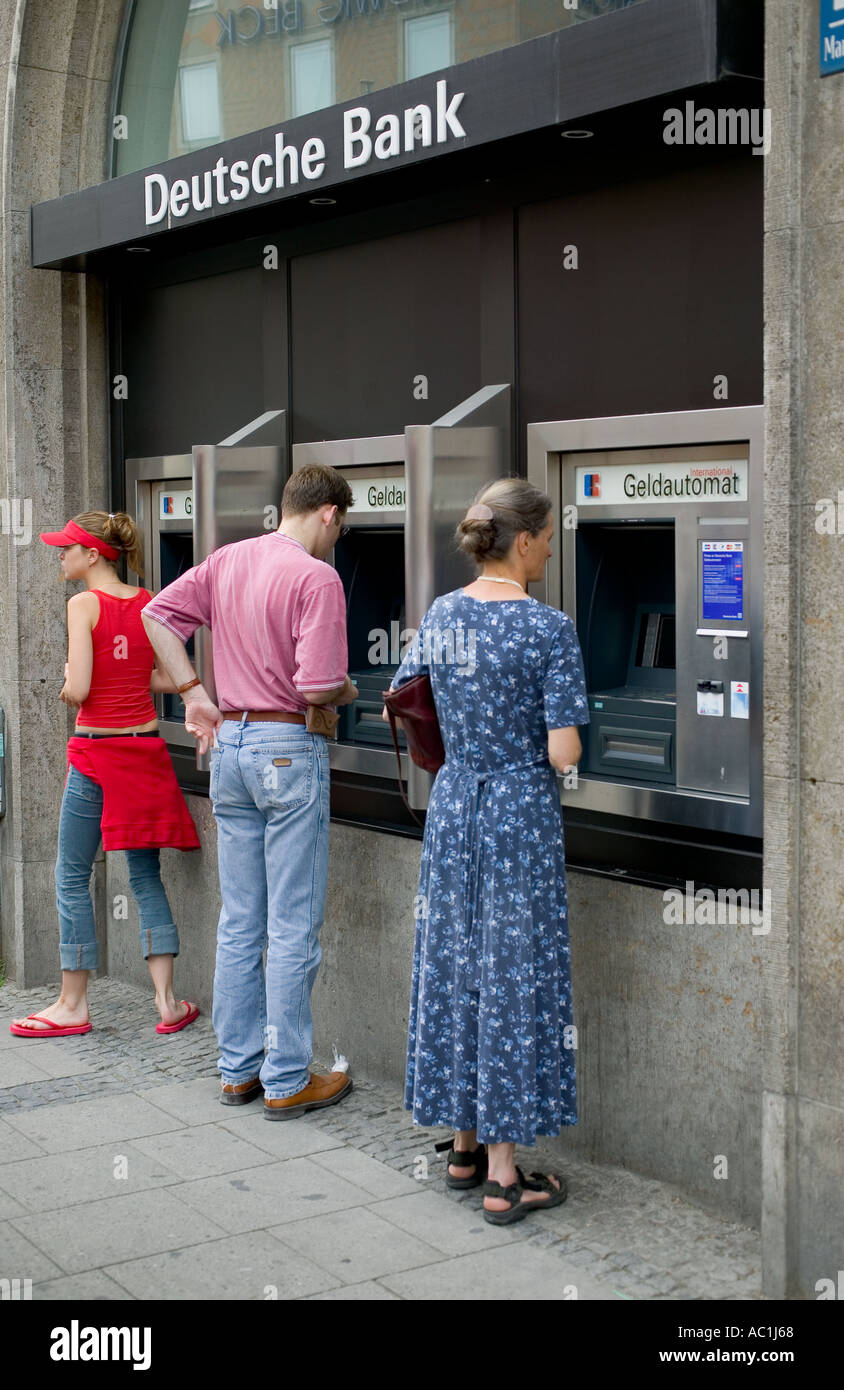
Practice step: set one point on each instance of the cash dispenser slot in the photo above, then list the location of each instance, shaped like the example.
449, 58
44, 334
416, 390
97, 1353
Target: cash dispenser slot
632, 751
626, 615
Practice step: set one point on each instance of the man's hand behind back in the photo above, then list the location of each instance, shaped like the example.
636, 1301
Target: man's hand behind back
202, 717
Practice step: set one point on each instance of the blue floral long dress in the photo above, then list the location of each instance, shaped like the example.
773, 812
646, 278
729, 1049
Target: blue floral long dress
491, 983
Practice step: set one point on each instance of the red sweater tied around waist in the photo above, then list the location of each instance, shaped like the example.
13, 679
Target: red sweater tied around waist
143, 807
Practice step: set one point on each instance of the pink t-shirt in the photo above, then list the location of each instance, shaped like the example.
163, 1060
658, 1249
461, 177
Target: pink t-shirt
277, 617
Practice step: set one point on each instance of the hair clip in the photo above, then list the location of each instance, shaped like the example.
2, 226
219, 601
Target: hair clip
479, 512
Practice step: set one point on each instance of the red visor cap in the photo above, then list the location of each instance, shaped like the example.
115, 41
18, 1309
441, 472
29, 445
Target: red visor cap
75, 535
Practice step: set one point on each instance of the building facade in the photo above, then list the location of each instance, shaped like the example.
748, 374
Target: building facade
352, 217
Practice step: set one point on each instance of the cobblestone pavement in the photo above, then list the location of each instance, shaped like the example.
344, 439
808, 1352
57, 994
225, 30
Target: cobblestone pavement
619, 1236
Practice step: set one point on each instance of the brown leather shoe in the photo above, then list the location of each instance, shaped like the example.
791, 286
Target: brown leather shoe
320, 1091
242, 1093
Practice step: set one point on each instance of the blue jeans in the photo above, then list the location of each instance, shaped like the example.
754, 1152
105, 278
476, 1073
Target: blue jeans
79, 838
270, 790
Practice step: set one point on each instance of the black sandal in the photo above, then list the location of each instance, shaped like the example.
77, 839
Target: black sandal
518, 1210
456, 1158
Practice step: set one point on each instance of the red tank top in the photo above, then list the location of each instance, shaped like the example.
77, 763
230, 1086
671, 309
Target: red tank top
123, 660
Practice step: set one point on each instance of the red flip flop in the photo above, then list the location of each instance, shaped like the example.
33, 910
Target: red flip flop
183, 1022
53, 1030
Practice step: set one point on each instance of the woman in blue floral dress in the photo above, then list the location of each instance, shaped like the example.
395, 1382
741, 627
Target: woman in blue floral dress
488, 1053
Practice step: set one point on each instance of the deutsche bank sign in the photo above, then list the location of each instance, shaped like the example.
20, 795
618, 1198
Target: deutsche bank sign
391, 135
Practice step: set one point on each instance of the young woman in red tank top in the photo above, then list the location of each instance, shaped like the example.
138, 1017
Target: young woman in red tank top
120, 783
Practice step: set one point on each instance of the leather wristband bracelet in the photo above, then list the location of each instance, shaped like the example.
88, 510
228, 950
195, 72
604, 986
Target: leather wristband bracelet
180, 689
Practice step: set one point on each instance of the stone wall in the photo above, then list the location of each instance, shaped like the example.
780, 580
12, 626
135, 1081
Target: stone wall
56, 62
668, 1017
803, 1049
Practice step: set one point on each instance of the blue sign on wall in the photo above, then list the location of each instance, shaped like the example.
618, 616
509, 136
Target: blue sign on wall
722, 576
832, 36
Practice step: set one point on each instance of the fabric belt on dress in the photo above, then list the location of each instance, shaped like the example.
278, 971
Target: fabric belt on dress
467, 944
265, 716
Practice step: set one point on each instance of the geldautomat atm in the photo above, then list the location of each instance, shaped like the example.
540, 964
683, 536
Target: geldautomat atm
658, 555
409, 490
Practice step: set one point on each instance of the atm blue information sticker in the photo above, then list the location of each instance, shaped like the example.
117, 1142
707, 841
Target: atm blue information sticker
722, 581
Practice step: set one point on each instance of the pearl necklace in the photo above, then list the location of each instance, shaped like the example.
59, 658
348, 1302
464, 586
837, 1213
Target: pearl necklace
498, 579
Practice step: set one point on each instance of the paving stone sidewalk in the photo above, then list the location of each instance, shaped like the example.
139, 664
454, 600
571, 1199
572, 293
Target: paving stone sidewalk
122, 1177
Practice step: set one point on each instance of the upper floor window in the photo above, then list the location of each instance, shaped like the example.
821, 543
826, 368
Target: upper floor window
200, 97
428, 44
312, 76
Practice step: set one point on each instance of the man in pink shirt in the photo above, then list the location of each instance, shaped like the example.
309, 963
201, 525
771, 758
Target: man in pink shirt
277, 616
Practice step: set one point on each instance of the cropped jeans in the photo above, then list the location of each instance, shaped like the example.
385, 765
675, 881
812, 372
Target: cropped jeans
270, 790
79, 839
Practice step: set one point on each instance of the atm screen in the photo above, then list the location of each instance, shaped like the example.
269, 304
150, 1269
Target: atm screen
176, 558
655, 643
722, 581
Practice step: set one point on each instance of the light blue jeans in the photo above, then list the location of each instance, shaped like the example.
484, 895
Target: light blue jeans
79, 839
270, 790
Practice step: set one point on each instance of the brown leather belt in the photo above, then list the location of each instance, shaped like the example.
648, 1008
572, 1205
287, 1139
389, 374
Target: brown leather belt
261, 716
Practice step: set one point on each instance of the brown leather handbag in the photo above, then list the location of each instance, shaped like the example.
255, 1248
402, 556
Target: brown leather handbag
413, 704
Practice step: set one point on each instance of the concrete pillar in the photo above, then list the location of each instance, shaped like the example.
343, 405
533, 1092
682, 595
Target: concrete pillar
56, 63
803, 1052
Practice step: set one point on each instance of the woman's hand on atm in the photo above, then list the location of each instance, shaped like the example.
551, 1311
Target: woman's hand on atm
564, 747
202, 717
386, 717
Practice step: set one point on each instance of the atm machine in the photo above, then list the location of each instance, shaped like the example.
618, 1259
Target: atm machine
186, 506
371, 563
657, 559
410, 490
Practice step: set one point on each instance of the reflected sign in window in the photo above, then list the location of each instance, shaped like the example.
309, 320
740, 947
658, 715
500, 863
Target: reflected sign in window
200, 93
312, 76
428, 44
